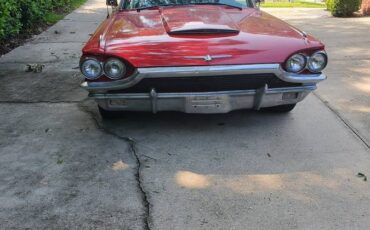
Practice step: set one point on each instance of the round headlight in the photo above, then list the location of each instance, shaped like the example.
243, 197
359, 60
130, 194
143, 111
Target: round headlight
114, 68
296, 63
317, 62
91, 69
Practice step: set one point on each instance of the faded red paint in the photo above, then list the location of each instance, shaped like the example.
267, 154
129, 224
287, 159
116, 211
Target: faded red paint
144, 40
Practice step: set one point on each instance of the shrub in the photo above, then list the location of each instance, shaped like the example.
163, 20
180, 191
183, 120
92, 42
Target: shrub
9, 18
343, 8
18, 15
329, 4
32, 12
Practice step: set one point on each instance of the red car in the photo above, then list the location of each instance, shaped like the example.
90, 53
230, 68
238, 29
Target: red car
198, 56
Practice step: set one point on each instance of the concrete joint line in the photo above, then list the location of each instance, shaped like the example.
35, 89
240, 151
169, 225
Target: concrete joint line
346, 123
39, 102
138, 174
65, 42
24, 63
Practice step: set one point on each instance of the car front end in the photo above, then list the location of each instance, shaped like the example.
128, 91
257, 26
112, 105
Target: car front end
134, 62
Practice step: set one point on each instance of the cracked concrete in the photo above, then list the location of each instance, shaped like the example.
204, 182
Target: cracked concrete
209, 172
62, 167
51, 177
132, 143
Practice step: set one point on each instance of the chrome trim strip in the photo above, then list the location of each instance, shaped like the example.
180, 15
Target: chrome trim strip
305, 88
197, 71
299, 78
207, 57
204, 30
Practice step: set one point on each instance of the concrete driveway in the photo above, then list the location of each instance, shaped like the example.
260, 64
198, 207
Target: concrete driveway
62, 167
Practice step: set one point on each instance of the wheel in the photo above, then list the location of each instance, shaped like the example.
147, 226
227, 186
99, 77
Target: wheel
280, 108
106, 114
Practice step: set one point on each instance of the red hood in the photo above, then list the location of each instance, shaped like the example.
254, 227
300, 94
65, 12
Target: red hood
167, 36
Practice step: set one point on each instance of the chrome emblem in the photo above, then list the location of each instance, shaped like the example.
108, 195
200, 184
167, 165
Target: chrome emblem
207, 58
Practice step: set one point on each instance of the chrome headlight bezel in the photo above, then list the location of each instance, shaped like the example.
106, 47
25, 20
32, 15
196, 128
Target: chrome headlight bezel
96, 63
296, 57
311, 58
118, 63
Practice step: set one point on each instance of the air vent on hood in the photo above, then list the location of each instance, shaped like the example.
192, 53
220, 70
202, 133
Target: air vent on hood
204, 31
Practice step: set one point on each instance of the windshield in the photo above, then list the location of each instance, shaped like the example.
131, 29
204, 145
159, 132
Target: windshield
142, 4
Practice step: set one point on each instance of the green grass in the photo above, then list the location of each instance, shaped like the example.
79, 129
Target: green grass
77, 3
292, 5
53, 17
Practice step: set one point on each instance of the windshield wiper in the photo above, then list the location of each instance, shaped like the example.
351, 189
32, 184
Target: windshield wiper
200, 3
146, 8
215, 3
154, 7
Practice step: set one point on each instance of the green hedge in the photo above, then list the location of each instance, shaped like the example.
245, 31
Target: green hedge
18, 15
9, 18
343, 8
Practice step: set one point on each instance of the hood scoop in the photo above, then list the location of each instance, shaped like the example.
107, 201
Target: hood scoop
203, 29
198, 21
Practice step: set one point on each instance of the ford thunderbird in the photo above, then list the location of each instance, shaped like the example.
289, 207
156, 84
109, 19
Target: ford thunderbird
198, 56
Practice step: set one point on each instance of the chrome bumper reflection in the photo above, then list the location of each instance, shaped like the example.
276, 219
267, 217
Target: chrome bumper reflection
203, 102
195, 71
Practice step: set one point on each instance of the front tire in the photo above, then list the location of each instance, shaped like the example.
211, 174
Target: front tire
106, 114
280, 108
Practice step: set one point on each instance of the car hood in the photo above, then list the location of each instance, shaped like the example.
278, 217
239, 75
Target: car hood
185, 35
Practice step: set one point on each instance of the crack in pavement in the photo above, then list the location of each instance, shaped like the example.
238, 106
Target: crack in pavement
138, 175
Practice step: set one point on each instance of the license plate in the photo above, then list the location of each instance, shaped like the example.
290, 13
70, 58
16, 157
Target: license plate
207, 104
118, 102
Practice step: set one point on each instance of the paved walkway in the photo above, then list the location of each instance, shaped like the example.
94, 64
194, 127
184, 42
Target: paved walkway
61, 167
347, 90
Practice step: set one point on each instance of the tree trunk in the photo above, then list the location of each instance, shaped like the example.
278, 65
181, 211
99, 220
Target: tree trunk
365, 7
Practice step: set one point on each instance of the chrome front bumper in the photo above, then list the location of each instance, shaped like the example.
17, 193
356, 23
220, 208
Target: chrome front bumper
202, 102
205, 102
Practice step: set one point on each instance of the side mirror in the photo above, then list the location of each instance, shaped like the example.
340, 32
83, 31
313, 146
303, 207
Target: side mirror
112, 3
257, 4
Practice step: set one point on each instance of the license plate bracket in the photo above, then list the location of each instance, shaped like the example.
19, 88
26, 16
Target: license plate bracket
207, 104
